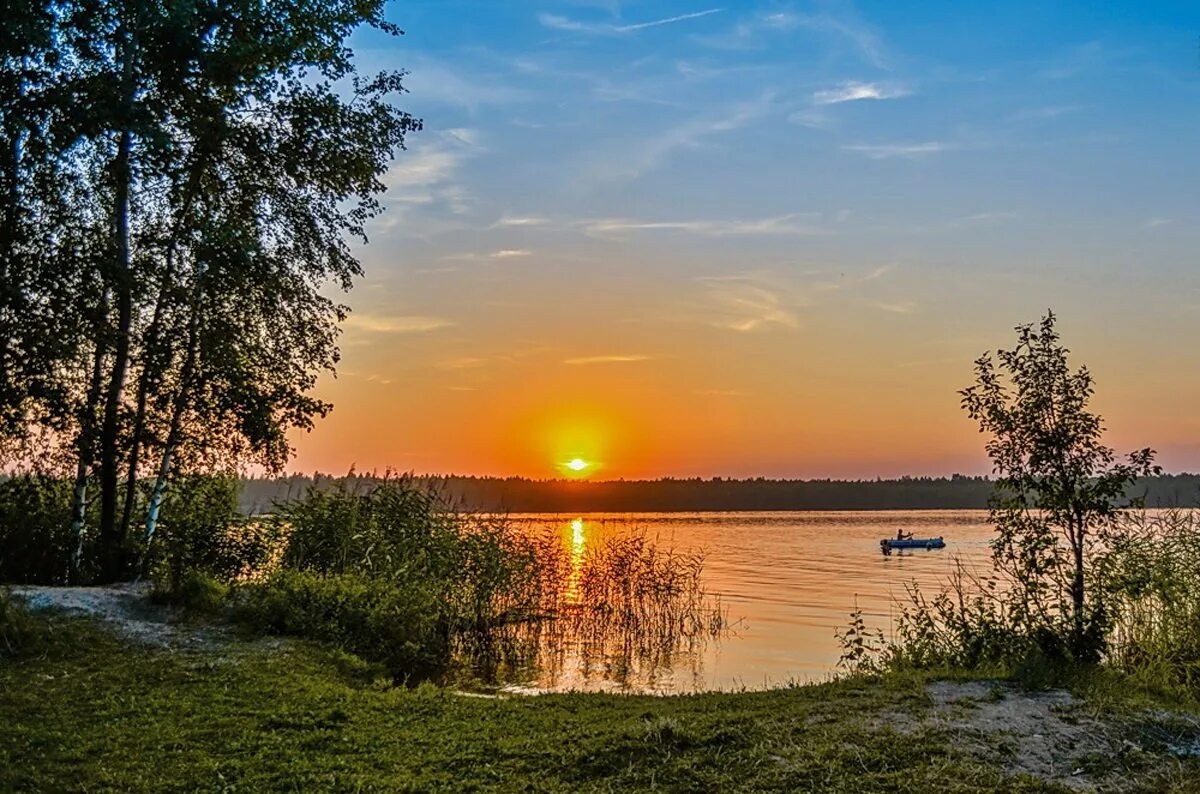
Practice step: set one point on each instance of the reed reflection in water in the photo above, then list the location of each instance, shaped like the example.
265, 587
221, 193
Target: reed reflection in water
619, 611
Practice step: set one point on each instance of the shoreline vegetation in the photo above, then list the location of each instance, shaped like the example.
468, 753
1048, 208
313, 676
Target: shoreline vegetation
201, 705
688, 495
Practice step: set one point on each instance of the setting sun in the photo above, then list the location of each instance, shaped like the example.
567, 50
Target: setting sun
578, 464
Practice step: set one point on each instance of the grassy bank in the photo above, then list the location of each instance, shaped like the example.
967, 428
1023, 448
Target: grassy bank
86, 711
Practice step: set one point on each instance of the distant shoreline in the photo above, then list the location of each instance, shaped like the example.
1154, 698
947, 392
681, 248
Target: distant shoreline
716, 495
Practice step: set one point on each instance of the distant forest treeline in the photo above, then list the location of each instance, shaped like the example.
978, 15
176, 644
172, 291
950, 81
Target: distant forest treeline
520, 495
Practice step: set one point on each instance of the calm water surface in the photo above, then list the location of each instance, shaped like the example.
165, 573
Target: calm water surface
787, 581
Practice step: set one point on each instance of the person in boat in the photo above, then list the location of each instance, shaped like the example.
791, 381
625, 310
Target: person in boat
901, 536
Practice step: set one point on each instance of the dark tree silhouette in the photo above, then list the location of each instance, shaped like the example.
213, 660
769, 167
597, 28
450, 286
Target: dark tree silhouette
1057, 484
180, 180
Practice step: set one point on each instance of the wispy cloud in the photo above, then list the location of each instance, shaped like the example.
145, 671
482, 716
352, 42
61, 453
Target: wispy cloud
861, 38
1154, 223
840, 31
748, 303
519, 221
475, 256
435, 271
895, 307
855, 91
813, 117
669, 20
613, 359
423, 166
877, 273
687, 135
1045, 112
847, 281
395, 324
557, 22
759, 301
432, 81
1076, 61
427, 175
987, 217
793, 224
884, 151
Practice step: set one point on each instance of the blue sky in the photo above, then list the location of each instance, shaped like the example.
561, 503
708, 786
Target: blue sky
827, 204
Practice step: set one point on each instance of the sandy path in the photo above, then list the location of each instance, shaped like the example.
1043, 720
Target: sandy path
127, 609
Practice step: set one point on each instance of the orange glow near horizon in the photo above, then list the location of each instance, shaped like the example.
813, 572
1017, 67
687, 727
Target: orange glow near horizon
872, 397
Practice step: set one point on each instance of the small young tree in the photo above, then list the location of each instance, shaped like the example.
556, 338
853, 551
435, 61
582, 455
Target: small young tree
1057, 487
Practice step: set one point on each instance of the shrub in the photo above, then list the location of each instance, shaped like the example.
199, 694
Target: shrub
482, 571
196, 592
35, 532
967, 625
396, 625
18, 629
1152, 579
201, 532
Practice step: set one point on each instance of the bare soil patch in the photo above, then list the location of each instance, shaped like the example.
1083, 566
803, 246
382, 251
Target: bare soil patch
128, 610
1053, 735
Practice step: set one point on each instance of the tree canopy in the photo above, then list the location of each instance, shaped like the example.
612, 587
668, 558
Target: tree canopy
181, 182
1057, 485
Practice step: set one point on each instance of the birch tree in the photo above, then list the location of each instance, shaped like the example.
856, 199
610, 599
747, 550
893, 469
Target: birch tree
225, 153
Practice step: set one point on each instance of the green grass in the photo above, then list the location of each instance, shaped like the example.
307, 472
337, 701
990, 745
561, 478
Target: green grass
88, 713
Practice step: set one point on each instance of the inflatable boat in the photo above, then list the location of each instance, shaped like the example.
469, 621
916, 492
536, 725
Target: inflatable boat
887, 544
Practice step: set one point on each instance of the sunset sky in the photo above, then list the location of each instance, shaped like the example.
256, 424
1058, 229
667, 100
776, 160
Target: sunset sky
689, 238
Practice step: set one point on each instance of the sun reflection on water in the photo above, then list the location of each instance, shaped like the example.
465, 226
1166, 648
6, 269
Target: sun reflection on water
578, 542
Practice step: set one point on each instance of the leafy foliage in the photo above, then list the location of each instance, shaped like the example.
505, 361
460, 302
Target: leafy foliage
395, 624
1058, 487
862, 648
34, 529
180, 183
203, 533
18, 629
968, 625
1152, 580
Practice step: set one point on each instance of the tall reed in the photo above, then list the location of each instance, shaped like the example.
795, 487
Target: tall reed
1152, 578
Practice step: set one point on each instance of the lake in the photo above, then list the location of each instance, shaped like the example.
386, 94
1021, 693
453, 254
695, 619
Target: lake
786, 581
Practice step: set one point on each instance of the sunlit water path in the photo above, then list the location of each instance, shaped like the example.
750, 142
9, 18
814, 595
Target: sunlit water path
787, 581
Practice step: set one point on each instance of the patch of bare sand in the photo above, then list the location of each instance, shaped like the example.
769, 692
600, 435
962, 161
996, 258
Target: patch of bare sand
128, 610
1052, 735
1043, 734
